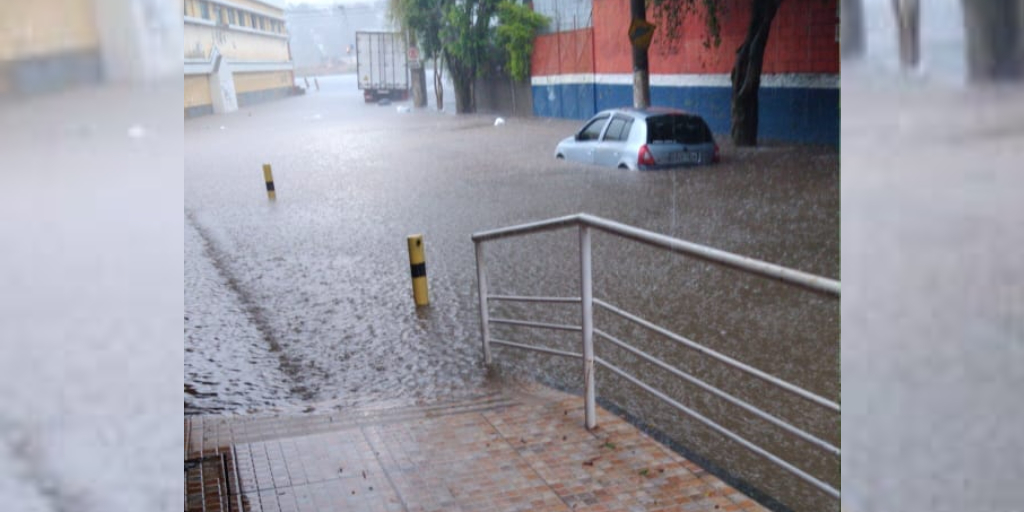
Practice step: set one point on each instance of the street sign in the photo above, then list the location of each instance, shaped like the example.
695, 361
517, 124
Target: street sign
640, 33
414, 54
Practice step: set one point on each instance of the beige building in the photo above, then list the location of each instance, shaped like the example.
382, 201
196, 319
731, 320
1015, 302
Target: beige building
236, 54
51, 45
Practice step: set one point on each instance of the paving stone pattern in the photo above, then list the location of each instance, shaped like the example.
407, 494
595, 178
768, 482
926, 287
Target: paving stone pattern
520, 452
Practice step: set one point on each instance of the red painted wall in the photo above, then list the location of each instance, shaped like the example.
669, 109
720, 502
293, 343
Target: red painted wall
563, 53
802, 40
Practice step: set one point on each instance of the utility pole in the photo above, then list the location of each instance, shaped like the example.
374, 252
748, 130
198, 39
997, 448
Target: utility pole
640, 34
417, 74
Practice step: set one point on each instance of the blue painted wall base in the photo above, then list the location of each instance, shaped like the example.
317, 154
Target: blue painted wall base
789, 114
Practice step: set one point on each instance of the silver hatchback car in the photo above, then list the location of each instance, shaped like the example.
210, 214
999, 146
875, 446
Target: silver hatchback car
635, 139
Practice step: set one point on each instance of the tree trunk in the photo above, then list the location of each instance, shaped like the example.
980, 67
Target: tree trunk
746, 73
851, 28
995, 43
438, 83
908, 29
462, 81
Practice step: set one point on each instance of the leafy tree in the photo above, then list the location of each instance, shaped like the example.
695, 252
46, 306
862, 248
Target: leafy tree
466, 46
422, 20
467, 35
517, 28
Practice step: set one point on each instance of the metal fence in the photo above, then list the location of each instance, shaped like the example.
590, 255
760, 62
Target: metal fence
586, 224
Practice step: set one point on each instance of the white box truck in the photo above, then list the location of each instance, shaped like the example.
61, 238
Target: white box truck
381, 65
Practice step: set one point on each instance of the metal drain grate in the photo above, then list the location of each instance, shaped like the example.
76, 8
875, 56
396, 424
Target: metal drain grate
211, 484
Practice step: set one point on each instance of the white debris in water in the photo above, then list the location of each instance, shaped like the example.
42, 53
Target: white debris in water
499, 122
136, 132
222, 127
402, 109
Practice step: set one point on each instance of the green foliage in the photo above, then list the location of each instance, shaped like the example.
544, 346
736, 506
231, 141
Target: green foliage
671, 14
471, 36
421, 20
517, 27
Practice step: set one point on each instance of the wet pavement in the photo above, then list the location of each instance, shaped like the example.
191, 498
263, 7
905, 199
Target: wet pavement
306, 301
519, 450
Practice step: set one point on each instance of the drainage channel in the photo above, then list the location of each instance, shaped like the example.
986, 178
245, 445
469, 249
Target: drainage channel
211, 484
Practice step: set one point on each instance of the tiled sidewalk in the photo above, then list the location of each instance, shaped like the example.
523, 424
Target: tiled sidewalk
521, 452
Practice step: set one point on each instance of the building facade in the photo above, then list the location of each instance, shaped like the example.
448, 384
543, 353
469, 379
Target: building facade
53, 45
584, 65
236, 54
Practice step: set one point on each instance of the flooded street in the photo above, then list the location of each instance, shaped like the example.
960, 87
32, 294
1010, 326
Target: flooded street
305, 302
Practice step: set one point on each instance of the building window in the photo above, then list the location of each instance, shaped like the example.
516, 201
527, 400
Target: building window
263, 23
204, 10
231, 17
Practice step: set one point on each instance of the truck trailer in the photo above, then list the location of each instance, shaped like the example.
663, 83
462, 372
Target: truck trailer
382, 66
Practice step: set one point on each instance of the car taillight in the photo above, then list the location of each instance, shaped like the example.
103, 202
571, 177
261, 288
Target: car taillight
716, 158
645, 157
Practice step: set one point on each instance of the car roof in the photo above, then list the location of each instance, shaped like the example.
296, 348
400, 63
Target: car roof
644, 113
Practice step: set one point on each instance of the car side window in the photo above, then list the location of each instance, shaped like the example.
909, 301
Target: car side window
618, 129
593, 130
628, 127
614, 131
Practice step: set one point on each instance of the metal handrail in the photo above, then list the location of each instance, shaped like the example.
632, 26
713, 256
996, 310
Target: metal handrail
517, 298
709, 254
746, 368
810, 438
586, 223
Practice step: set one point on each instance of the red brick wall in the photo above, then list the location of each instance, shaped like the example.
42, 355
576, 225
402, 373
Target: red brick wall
802, 40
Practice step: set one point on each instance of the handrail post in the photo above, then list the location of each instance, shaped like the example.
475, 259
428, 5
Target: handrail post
481, 280
587, 306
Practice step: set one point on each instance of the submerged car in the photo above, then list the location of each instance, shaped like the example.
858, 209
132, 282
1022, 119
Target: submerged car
641, 139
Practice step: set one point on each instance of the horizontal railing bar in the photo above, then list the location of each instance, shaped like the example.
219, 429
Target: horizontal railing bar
721, 394
537, 349
824, 402
532, 227
749, 265
518, 298
828, 489
541, 325
711, 255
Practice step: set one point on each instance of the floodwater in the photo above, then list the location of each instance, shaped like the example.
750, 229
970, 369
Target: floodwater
305, 303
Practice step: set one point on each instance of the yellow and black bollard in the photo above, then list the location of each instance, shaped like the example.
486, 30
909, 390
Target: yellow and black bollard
419, 270
268, 176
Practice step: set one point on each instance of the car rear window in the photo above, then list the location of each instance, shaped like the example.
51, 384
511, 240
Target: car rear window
679, 128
